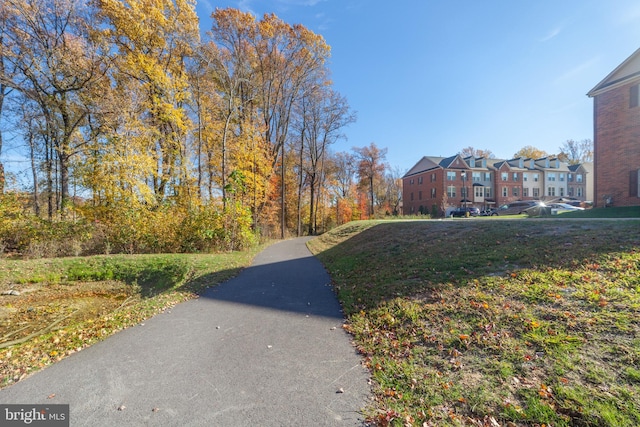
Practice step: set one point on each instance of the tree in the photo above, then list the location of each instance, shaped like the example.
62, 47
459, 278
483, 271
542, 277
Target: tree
323, 114
371, 168
392, 195
576, 152
477, 153
530, 152
152, 40
56, 65
4, 77
271, 64
342, 169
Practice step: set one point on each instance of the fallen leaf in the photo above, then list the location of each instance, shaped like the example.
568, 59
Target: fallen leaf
121, 408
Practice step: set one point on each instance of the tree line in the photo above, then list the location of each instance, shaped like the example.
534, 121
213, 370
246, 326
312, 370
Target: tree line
164, 139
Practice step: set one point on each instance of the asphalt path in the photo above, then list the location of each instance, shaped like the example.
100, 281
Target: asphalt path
266, 348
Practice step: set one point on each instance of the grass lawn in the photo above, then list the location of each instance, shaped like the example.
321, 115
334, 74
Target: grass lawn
51, 308
523, 322
615, 212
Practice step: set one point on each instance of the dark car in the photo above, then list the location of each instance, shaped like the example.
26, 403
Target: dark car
517, 208
462, 212
488, 212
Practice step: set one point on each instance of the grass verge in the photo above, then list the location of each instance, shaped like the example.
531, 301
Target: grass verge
51, 308
520, 322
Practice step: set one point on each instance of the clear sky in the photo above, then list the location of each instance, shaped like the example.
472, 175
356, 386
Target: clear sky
431, 77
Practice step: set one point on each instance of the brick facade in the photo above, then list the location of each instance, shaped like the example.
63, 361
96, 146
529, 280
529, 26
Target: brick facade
616, 123
616, 147
436, 184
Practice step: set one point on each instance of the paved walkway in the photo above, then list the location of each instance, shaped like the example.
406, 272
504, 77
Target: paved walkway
263, 349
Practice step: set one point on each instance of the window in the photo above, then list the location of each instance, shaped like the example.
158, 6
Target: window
433, 193
504, 176
579, 177
551, 177
411, 181
411, 196
420, 180
536, 193
433, 177
451, 176
633, 95
525, 177
551, 191
561, 191
525, 192
476, 176
515, 177
516, 192
536, 177
487, 176
570, 192
580, 192
504, 191
451, 191
570, 177
487, 192
561, 177
479, 192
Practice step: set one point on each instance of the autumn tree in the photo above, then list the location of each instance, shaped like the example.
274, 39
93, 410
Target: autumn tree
55, 64
530, 152
152, 40
4, 78
323, 113
342, 169
477, 153
288, 58
576, 152
227, 58
391, 194
371, 168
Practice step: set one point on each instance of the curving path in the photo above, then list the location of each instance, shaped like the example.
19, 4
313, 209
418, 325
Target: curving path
263, 349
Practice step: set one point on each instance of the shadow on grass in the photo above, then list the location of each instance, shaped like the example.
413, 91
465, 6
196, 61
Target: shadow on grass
404, 258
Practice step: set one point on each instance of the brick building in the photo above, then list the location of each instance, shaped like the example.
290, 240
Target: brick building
616, 122
437, 184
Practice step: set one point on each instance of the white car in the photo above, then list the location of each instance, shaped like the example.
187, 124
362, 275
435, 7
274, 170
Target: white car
564, 207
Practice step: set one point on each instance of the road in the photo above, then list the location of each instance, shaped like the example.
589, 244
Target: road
266, 348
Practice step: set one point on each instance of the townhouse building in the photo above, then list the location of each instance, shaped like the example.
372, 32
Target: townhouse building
434, 185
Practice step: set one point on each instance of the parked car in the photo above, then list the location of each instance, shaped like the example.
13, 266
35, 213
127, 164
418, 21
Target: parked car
462, 212
563, 207
517, 208
488, 212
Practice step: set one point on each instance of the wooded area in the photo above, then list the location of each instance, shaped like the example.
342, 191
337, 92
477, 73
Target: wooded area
144, 136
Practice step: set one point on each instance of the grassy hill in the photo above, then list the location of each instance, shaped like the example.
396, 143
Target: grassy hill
521, 322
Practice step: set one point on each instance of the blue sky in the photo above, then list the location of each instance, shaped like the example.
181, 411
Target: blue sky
431, 77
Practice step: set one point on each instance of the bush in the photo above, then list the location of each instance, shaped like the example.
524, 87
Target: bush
169, 228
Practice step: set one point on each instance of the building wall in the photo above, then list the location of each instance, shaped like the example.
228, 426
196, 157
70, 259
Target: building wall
417, 191
616, 147
513, 188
